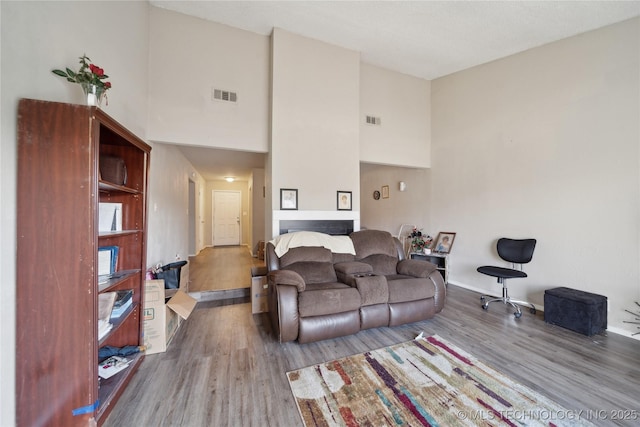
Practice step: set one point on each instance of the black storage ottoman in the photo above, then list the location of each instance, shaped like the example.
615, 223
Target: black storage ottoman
576, 310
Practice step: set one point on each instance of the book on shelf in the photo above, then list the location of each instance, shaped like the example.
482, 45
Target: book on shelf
110, 217
107, 262
112, 365
123, 301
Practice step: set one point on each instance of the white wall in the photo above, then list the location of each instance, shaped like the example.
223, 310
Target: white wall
545, 144
190, 56
168, 217
315, 110
411, 206
35, 38
403, 104
257, 193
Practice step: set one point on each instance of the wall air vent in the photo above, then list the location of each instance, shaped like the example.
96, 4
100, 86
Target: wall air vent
371, 120
224, 95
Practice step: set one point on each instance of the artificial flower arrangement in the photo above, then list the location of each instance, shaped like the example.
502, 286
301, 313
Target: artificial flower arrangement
87, 76
419, 241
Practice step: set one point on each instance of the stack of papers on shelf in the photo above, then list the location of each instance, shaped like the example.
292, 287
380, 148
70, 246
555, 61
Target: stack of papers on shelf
103, 328
112, 366
105, 306
122, 303
106, 301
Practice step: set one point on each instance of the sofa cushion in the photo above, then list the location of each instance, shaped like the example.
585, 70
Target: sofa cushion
370, 242
313, 264
307, 253
323, 299
314, 272
338, 258
405, 288
382, 264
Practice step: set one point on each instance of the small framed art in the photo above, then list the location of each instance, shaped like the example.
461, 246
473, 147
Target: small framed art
288, 199
444, 242
344, 200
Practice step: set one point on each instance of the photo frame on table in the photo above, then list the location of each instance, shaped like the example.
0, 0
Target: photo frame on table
385, 191
288, 199
444, 242
344, 200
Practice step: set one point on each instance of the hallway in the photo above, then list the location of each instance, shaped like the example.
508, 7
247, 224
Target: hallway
221, 268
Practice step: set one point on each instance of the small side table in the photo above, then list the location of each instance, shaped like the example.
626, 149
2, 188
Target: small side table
440, 260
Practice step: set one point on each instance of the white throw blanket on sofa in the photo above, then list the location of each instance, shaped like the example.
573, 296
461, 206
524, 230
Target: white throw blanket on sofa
336, 244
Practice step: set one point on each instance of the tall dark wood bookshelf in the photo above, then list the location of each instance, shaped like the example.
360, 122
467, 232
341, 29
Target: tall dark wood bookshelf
59, 191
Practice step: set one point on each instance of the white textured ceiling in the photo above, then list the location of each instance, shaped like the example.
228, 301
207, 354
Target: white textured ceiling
427, 39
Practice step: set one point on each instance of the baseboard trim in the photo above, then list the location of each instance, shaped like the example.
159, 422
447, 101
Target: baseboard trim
612, 329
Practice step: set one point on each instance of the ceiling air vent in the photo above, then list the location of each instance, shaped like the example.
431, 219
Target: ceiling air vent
371, 120
225, 95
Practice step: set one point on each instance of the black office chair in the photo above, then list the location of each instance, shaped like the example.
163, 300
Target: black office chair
517, 252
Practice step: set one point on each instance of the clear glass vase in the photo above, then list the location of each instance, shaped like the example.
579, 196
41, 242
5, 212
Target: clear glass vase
94, 95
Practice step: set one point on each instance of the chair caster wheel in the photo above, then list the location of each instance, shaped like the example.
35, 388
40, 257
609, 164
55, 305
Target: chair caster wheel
532, 310
484, 306
482, 298
517, 314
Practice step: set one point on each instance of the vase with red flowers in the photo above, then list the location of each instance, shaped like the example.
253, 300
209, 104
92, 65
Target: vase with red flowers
91, 78
419, 241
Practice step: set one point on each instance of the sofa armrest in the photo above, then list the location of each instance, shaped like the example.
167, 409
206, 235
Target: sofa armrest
441, 289
425, 269
345, 271
416, 268
287, 278
283, 311
284, 286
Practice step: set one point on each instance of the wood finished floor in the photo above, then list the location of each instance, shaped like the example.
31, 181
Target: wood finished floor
221, 268
224, 368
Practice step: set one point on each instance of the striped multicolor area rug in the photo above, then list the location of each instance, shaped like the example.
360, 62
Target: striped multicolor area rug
427, 382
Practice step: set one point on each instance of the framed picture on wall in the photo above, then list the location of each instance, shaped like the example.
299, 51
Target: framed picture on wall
288, 199
385, 191
444, 242
344, 200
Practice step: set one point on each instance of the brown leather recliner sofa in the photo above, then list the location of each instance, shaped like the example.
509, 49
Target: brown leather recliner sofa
315, 294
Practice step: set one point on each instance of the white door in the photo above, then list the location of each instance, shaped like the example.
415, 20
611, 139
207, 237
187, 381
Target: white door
226, 218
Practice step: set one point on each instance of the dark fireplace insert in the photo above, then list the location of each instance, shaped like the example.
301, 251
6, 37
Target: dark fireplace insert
337, 227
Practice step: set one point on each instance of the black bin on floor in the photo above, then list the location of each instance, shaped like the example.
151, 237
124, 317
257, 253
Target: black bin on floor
171, 274
576, 310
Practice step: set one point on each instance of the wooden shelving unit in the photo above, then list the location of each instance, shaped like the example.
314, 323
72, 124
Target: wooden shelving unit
59, 191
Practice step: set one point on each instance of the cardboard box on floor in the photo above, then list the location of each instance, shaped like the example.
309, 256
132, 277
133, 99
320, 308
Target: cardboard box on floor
259, 290
162, 320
